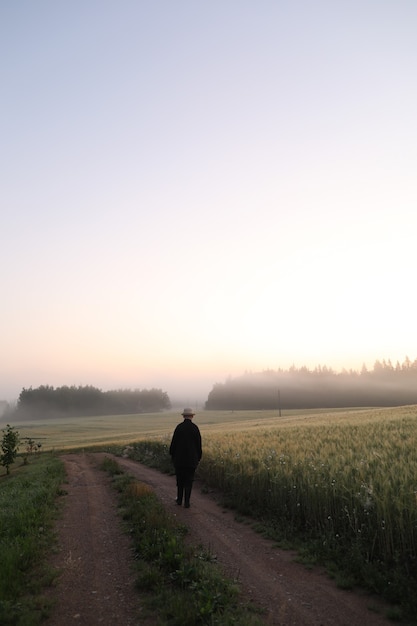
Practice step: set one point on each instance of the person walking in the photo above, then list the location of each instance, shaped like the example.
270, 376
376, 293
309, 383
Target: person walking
186, 452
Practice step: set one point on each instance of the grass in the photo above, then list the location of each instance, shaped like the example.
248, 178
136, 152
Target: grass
180, 585
28, 508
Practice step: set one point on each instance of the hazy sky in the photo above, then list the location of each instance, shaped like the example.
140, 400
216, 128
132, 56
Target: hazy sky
190, 190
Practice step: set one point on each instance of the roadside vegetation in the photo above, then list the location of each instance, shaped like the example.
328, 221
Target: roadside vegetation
9, 446
180, 585
28, 507
344, 494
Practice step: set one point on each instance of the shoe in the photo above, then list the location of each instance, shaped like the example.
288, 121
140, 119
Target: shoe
187, 505
178, 502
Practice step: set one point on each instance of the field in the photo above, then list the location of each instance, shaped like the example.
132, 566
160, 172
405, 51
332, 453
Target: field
81, 432
343, 482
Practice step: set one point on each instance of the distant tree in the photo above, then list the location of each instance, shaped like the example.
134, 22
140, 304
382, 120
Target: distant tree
378, 367
9, 446
318, 388
30, 447
45, 401
407, 363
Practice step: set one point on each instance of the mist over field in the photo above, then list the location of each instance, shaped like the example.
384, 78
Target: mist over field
297, 388
384, 385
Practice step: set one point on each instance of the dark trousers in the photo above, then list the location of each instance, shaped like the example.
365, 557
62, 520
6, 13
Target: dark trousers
185, 477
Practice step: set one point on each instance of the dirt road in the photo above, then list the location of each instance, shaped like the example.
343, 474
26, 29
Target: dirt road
96, 586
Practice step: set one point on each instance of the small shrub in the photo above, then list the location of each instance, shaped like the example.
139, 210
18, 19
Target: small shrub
9, 446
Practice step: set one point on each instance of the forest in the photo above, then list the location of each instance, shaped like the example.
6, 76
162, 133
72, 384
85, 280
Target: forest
322, 387
47, 402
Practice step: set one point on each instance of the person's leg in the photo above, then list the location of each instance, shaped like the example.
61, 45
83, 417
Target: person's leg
180, 486
188, 485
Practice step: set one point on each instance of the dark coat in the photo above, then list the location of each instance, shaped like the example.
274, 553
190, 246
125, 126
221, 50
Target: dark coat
185, 448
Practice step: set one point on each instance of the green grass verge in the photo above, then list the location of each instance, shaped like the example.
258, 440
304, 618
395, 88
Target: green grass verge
180, 585
28, 506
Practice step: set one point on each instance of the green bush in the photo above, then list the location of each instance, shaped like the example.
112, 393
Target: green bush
9, 446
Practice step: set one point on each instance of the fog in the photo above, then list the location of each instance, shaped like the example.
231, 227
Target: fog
382, 384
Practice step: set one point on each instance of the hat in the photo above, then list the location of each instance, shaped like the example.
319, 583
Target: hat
188, 413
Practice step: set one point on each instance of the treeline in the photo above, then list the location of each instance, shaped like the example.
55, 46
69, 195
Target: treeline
299, 388
46, 402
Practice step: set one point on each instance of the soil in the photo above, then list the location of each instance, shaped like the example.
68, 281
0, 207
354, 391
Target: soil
94, 556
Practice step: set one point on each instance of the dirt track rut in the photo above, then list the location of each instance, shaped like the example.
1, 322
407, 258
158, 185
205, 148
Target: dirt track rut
96, 586
290, 594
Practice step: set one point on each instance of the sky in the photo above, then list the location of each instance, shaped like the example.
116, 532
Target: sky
192, 190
